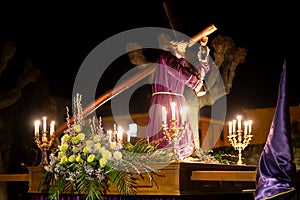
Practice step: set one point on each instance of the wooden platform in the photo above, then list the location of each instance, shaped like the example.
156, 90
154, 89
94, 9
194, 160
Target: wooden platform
183, 178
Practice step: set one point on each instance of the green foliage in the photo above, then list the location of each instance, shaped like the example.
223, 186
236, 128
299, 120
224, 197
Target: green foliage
141, 146
125, 182
209, 157
219, 157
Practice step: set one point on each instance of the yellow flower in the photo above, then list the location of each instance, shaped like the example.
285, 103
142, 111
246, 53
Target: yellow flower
102, 162
96, 138
102, 149
86, 150
98, 147
60, 155
71, 158
112, 145
75, 150
117, 155
64, 147
77, 128
65, 138
78, 159
81, 136
88, 142
75, 140
63, 160
106, 154
91, 158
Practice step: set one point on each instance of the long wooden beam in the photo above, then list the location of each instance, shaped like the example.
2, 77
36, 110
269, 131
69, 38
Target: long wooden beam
109, 95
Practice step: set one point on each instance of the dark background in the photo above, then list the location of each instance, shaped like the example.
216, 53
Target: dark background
59, 36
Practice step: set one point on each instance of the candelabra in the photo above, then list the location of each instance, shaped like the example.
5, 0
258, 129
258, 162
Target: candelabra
239, 138
44, 140
174, 134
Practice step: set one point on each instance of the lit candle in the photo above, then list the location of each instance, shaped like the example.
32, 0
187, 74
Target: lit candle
164, 114
128, 136
250, 126
173, 104
120, 134
239, 118
37, 127
44, 124
184, 114
52, 124
233, 125
114, 137
245, 128
109, 135
230, 127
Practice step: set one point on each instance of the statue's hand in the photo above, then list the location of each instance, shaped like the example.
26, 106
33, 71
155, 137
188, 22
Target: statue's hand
204, 41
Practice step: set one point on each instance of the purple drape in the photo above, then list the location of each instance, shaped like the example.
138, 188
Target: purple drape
171, 76
276, 165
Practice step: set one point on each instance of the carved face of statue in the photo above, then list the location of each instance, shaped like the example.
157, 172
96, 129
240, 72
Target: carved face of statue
179, 49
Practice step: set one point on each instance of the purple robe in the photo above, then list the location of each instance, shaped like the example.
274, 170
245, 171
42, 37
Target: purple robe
171, 76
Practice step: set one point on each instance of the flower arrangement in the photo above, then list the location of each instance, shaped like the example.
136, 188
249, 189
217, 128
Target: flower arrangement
86, 162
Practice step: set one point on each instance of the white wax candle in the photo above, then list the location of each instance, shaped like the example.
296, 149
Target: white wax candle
109, 135
230, 127
184, 114
250, 126
120, 134
245, 128
239, 118
164, 114
44, 124
52, 124
173, 105
233, 125
37, 127
128, 136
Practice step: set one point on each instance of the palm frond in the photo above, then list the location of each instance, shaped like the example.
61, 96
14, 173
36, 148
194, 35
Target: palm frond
57, 189
47, 178
92, 189
125, 182
141, 146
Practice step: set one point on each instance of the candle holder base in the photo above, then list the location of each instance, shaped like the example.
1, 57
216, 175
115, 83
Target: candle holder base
44, 157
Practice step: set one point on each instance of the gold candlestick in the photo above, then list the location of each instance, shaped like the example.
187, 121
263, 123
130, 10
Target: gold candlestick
239, 138
45, 140
174, 134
